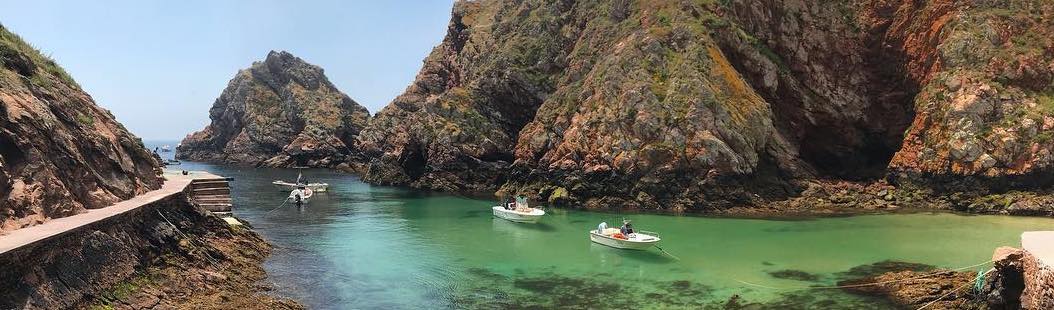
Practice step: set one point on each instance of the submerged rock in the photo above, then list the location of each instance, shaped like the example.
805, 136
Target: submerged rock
791, 274
280, 112
910, 289
60, 153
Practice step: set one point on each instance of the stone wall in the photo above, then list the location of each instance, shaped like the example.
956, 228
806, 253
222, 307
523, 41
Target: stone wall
1039, 284
68, 270
1021, 280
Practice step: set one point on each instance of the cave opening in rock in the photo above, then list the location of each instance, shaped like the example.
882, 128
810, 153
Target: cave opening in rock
413, 160
832, 158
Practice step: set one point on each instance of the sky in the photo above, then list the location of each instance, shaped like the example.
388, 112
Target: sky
159, 65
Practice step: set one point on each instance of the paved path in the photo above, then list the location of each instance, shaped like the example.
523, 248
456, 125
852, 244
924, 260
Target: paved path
21, 237
1040, 244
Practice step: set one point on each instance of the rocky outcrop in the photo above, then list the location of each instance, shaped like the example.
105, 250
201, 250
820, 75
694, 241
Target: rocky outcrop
280, 112
1020, 280
705, 106
595, 99
60, 153
913, 290
985, 113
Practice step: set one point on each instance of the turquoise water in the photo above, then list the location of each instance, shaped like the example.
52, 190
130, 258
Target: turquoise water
371, 247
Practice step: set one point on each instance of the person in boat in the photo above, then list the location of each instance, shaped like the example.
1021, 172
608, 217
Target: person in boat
510, 204
602, 227
627, 228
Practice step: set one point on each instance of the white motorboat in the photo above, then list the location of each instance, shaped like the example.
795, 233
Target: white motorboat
523, 216
613, 237
288, 186
518, 211
304, 195
166, 148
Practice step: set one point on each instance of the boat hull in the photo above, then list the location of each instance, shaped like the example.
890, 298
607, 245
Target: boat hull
303, 200
519, 217
627, 244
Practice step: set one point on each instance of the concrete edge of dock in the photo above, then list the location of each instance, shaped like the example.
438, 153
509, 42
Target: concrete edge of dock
175, 183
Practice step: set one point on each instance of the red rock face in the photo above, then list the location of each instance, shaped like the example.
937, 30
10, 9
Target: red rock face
59, 152
280, 112
985, 106
691, 105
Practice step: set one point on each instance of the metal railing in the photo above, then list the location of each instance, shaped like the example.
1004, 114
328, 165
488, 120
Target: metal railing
652, 233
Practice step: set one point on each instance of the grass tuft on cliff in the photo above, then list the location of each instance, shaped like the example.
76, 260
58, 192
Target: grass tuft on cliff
16, 53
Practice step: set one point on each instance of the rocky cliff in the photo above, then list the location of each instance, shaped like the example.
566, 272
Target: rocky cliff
280, 112
59, 152
705, 105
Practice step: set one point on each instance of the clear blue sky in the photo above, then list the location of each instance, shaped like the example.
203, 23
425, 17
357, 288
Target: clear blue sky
159, 65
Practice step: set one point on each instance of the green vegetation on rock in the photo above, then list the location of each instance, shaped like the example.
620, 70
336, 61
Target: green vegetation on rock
16, 53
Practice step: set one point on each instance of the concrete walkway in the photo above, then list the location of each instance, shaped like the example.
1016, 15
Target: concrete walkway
1040, 244
174, 183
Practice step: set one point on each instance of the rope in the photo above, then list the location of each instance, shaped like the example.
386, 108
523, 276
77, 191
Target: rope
860, 285
667, 253
279, 207
212, 260
953, 291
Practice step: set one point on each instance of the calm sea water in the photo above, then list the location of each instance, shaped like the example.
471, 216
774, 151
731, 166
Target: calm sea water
372, 247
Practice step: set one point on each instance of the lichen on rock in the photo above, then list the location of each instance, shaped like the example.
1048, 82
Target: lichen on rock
708, 105
280, 112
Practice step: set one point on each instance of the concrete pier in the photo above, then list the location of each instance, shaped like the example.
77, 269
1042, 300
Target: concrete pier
174, 183
1040, 244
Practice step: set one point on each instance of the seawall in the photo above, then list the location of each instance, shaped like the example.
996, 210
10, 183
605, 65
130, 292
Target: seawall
159, 248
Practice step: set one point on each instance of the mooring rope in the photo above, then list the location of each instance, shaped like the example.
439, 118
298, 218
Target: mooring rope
279, 206
863, 284
212, 260
953, 291
667, 253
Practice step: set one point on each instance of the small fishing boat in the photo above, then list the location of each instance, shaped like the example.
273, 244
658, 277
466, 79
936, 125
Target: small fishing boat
518, 211
304, 195
172, 162
613, 237
286, 186
166, 148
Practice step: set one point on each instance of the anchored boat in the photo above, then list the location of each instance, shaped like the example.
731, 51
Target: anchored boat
286, 186
616, 238
303, 195
518, 211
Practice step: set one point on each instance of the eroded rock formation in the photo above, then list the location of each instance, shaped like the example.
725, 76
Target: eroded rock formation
280, 112
706, 105
59, 152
